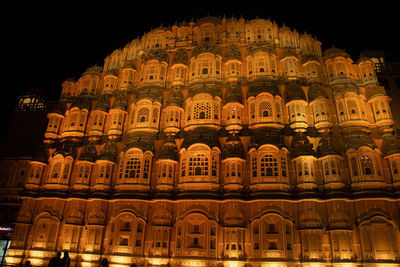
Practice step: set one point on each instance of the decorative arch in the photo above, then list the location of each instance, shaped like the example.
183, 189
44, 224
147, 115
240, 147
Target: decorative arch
125, 233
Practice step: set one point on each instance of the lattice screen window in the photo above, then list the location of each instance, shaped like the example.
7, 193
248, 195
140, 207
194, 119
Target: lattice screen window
340, 107
268, 165
183, 166
254, 166
132, 168
395, 169
216, 111
146, 168
66, 171
35, 172
155, 115
188, 112
252, 110
143, 115
367, 164
283, 166
151, 73
353, 166
262, 65
163, 171
233, 69
56, 170
214, 165
82, 119
84, 171
198, 165
278, 109
105, 171
73, 119
265, 109
202, 110
170, 115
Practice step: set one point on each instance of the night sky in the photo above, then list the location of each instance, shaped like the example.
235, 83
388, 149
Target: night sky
48, 42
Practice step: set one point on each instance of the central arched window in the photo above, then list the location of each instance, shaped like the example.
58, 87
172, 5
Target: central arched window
205, 66
268, 164
135, 167
202, 109
60, 169
264, 108
199, 164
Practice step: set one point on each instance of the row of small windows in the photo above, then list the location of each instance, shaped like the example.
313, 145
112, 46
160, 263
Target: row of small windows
210, 66
264, 167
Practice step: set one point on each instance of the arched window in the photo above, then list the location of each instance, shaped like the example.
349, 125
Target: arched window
379, 238
125, 234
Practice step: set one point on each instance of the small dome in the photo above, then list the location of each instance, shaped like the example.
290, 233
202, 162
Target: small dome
153, 93
390, 145
233, 94
180, 57
316, 92
88, 154
232, 52
102, 104
327, 147
357, 140
175, 98
301, 146
212, 89
203, 136
294, 92
168, 150
233, 147
258, 87
137, 142
81, 103
94, 70
119, 103
209, 19
108, 152
335, 52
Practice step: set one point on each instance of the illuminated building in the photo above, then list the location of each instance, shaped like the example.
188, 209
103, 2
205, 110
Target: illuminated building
221, 142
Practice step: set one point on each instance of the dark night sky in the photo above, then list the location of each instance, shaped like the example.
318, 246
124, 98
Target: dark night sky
46, 42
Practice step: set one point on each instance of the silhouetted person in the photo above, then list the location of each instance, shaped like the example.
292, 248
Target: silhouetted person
133, 265
65, 262
28, 264
104, 263
55, 261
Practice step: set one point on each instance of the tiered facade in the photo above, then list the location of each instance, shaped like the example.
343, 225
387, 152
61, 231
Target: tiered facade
221, 142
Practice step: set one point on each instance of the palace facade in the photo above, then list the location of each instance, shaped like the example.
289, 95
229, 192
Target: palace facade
220, 142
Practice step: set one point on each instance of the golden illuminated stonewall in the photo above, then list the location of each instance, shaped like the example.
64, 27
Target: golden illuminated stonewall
220, 142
